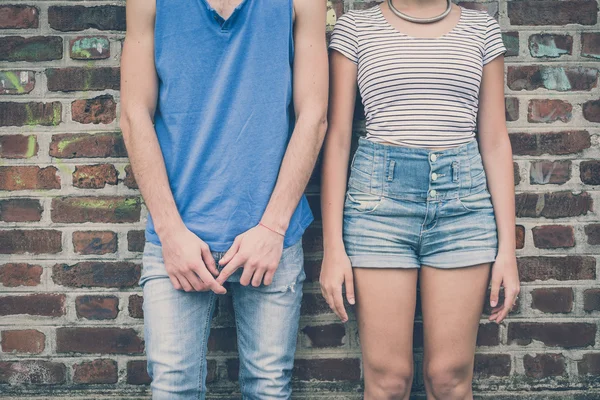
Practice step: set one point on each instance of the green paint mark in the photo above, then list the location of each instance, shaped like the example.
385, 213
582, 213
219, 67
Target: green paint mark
31, 150
545, 48
591, 55
555, 79
56, 117
90, 47
15, 81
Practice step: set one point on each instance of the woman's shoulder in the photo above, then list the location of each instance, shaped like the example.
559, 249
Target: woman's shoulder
360, 15
477, 17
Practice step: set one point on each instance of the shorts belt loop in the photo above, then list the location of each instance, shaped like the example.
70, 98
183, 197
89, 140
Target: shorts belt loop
390, 172
455, 171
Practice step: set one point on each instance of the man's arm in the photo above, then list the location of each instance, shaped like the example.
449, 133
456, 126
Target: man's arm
259, 249
183, 252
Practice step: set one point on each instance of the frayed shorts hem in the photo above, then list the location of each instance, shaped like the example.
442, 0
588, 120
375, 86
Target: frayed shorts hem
446, 260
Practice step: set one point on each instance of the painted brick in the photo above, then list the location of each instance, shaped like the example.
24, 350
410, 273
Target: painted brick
590, 44
86, 79
16, 82
89, 48
96, 209
95, 242
35, 48
18, 146
83, 145
570, 78
28, 178
550, 45
553, 205
32, 113
550, 172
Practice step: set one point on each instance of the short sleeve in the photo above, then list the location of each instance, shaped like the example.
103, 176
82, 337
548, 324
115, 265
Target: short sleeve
493, 46
344, 37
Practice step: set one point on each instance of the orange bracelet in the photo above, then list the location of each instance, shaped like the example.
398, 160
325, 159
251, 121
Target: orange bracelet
272, 230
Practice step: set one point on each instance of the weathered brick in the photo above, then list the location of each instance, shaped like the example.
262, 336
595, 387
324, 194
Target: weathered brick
550, 172
83, 145
78, 18
32, 113
74, 78
564, 268
137, 373
129, 180
97, 307
20, 274
98, 340
549, 110
589, 364
590, 172
20, 210
332, 335
16, 82
136, 241
553, 205
18, 146
553, 334
593, 233
37, 372
314, 304
488, 335
19, 17
96, 209
550, 45
95, 371
328, 369
34, 241
567, 78
135, 307
89, 48
99, 110
35, 48
511, 42
94, 176
222, 339
511, 106
520, 236
29, 341
28, 178
492, 365
590, 44
97, 274
591, 300
95, 242
544, 365
559, 143
552, 12
553, 236
552, 300
591, 110
40, 304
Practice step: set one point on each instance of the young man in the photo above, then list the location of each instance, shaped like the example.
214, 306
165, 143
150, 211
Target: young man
223, 113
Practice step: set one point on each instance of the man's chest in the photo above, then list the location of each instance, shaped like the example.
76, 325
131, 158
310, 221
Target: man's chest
224, 7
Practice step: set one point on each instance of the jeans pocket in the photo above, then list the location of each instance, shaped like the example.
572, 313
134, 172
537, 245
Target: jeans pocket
479, 201
361, 202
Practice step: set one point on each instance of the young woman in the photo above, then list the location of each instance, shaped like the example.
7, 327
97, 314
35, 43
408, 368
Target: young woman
430, 193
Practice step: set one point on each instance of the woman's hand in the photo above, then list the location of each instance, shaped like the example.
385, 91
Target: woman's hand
504, 273
336, 271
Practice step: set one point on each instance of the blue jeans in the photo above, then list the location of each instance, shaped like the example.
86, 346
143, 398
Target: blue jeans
177, 326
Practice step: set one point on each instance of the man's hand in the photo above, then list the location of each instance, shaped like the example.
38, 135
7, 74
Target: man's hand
189, 262
259, 251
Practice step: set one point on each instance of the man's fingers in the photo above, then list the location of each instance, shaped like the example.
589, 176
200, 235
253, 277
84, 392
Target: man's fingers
193, 280
209, 280
209, 261
246, 277
258, 277
268, 279
349, 282
231, 267
230, 253
175, 282
184, 283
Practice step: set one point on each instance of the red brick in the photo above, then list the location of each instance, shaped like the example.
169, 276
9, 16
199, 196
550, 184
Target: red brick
18, 146
97, 307
95, 242
222, 339
322, 336
553, 334
98, 340
89, 48
78, 18
520, 236
589, 364
95, 372
548, 111
564, 268
32, 49
591, 300
552, 300
544, 365
532, 77
492, 365
77, 79
328, 369
38, 241
129, 180
94, 176
136, 241
29, 178
488, 335
137, 372
591, 110
590, 172
20, 274
593, 233
99, 110
96, 209
83, 145
136, 309
516, 173
550, 172
97, 274
590, 44
556, 143
553, 236
20, 210
552, 12
37, 372
29, 341
553, 205
40, 304
511, 106
16, 82
18, 17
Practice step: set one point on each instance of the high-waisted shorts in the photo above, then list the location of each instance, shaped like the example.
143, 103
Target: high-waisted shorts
408, 207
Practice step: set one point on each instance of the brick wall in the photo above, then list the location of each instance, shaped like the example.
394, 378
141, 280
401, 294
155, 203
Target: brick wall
71, 219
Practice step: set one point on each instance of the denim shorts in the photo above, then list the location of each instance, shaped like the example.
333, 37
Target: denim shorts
408, 207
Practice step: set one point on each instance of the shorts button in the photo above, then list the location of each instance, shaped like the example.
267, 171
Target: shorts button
433, 157
434, 176
432, 192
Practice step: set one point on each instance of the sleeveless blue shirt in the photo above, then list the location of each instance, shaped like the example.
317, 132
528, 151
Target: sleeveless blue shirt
224, 114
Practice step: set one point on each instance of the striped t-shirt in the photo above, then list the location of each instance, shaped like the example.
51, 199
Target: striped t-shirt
418, 92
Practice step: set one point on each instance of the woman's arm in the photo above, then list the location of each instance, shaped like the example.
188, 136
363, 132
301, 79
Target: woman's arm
496, 154
336, 269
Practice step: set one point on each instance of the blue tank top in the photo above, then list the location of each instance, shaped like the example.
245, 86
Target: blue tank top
224, 114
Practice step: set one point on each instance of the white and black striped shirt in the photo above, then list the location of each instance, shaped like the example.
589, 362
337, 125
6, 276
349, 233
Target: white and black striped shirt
418, 92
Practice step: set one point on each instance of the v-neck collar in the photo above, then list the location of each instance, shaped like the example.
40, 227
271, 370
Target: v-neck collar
223, 24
